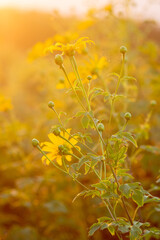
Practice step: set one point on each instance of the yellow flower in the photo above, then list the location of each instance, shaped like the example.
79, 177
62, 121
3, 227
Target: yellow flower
94, 66
69, 49
38, 49
5, 104
66, 37
55, 147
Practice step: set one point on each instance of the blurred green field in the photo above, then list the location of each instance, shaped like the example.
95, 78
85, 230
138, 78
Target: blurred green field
36, 200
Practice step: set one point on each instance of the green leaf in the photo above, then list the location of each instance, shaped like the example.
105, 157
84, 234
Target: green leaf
94, 228
85, 121
82, 161
135, 233
151, 149
138, 197
95, 92
123, 173
79, 195
104, 226
123, 229
129, 78
100, 186
79, 114
111, 229
128, 137
102, 219
89, 139
125, 190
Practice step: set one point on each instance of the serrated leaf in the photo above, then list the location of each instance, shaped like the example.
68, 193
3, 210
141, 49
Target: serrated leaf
138, 197
111, 229
94, 228
100, 186
135, 233
128, 137
125, 190
104, 226
123, 229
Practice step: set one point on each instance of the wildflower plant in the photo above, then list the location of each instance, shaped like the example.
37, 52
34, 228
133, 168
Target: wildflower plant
77, 154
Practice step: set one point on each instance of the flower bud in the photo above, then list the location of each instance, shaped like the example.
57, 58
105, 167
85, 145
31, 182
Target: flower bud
51, 104
35, 142
127, 116
123, 49
89, 77
100, 127
57, 131
153, 103
63, 149
59, 59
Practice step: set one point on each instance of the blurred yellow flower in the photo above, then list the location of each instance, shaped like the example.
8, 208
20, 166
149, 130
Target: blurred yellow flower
5, 104
38, 49
94, 66
66, 37
54, 148
69, 49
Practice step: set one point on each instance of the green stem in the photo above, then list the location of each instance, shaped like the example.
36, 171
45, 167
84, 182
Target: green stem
122, 198
79, 101
74, 65
104, 164
135, 212
116, 90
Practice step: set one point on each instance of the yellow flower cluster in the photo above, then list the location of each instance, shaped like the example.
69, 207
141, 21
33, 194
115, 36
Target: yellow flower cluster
69, 49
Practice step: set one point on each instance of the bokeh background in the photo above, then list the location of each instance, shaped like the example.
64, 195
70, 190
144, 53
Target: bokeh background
36, 200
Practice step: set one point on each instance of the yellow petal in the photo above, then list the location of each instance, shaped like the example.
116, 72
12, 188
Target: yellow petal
68, 158
55, 139
59, 160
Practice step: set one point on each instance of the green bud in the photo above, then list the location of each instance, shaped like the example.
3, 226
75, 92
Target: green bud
57, 131
153, 103
59, 59
51, 104
123, 49
35, 142
63, 149
127, 116
100, 127
89, 77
